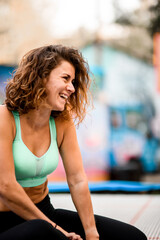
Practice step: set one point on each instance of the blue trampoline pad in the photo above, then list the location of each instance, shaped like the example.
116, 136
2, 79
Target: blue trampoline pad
124, 186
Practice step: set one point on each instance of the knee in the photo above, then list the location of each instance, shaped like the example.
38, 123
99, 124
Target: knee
142, 236
138, 234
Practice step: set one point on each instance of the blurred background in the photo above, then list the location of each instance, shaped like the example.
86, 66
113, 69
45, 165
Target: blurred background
120, 137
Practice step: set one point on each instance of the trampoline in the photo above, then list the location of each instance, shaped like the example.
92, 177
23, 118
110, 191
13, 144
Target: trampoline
111, 186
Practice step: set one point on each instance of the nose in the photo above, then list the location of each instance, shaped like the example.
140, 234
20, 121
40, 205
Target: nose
70, 87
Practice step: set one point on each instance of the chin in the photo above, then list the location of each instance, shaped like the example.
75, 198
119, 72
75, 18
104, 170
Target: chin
61, 109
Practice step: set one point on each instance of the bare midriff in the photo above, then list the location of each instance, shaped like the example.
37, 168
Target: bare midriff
36, 194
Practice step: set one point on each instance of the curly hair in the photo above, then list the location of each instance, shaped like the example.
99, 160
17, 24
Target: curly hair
27, 91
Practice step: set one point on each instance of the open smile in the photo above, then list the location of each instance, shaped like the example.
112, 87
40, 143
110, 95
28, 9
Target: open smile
64, 96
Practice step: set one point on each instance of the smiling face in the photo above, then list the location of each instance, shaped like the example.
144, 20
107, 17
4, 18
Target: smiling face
60, 85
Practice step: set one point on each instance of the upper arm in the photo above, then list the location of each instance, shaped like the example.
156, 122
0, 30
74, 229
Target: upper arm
7, 171
70, 153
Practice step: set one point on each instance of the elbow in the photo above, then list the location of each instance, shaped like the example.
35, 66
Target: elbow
77, 180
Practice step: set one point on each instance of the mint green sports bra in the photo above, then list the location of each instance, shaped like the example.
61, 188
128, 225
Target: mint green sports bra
30, 170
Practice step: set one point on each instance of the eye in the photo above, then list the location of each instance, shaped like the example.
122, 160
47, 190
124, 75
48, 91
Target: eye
65, 77
73, 82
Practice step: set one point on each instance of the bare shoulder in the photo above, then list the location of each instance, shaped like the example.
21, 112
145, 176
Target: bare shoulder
62, 127
63, 124
5, 114
6, 120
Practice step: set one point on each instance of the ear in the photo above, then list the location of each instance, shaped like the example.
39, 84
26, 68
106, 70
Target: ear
45, 80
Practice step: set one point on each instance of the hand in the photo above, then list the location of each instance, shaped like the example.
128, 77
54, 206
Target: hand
70, 236
73, 236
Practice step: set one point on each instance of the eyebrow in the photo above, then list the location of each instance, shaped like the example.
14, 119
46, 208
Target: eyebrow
66, 74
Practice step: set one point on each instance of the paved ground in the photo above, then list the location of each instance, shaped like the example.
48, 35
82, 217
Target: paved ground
140, 210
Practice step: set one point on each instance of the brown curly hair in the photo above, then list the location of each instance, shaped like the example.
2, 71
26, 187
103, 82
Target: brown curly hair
26, 90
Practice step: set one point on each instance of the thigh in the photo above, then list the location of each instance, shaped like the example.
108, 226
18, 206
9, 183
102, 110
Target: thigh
68, 220
109, 229
34, 229
112, 229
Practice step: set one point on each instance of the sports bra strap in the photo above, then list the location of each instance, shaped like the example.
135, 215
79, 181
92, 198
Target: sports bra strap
53, 129
17, 122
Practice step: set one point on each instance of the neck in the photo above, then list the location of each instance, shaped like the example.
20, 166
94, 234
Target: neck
37, 118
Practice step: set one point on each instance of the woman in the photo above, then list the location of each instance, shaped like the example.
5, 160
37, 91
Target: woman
49, 89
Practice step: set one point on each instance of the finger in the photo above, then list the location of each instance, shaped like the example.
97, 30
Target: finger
71, 235
79, 237
74, 236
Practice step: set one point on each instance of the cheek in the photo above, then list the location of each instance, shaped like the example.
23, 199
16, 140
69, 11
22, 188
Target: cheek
53, 93
51, 88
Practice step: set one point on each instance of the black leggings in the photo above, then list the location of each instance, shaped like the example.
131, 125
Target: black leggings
12, 227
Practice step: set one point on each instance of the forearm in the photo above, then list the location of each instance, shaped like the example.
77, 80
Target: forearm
16, 199
81, 197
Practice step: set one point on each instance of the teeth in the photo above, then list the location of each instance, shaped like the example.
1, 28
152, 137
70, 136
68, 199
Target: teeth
64, 96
